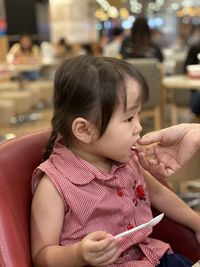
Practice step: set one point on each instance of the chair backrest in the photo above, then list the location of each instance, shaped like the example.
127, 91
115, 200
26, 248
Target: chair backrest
18, 158
149, 68
181, 98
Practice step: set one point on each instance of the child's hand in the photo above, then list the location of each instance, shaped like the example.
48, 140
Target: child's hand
99, 248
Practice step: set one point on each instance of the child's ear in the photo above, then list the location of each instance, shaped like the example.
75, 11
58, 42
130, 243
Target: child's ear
83, 130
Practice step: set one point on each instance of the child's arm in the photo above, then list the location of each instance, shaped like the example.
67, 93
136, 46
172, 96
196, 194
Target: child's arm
98, 248
164, 200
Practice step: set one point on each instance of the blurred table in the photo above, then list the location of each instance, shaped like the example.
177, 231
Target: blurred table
18, 68
46, 68
176, 82
25, 67
180, 82
9, 70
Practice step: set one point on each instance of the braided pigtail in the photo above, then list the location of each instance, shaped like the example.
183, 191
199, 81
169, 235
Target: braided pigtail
50, 144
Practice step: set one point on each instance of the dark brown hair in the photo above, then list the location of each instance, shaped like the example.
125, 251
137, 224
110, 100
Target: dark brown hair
89, 87
141, 33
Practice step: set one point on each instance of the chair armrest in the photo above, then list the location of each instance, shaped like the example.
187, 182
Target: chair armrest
181, 239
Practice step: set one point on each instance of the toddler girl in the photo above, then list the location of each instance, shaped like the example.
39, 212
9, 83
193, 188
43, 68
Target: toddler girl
90, 186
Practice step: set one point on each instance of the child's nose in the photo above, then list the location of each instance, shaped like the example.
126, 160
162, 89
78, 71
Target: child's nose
138, 128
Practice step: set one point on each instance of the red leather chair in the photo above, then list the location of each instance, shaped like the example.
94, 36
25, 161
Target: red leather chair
18, 158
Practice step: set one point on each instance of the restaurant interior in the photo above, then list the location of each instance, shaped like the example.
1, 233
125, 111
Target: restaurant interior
61, 29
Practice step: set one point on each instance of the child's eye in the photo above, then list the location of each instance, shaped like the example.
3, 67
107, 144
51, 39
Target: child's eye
130, 119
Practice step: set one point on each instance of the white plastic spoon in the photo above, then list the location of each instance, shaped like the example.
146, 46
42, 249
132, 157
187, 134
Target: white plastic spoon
150, 223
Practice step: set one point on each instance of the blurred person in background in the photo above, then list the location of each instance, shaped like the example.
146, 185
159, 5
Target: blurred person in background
62, 50
193, 58
158, 38
112, 49
182, 41
78, 49
139, 44
194, 38
25, 52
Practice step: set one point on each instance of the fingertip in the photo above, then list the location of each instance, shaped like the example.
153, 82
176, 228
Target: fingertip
151, 162
141, 154
118, 239
138, 146
110, 237
161, 165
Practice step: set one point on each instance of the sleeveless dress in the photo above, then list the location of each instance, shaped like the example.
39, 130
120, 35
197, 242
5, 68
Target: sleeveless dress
113, 202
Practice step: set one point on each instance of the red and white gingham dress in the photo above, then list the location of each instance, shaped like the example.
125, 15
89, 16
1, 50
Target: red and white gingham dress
95, 200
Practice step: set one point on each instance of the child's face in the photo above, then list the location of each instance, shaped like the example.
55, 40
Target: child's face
124, 128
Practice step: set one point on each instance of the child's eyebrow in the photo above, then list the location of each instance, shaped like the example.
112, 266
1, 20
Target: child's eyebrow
131, 108
136, 104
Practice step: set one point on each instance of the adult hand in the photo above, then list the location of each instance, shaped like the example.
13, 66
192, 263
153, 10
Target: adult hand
169, 149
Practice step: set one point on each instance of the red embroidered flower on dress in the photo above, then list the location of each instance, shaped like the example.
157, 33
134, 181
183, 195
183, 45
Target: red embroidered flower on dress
140, 192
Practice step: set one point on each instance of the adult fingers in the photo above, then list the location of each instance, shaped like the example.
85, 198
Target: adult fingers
152, 137
148, 151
